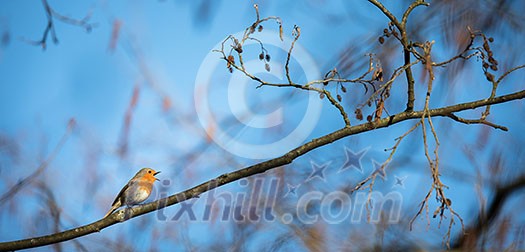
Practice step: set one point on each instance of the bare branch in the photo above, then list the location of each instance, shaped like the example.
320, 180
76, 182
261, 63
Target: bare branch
405, 43
502, 193
389, 159
251, 170
297, 32
50, 26
477, 121
509, 72
409, 10
388, 14
43, 166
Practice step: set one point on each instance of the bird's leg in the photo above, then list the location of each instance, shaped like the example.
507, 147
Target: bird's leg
127, 213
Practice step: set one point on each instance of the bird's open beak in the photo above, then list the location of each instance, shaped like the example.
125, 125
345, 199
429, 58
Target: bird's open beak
154, 174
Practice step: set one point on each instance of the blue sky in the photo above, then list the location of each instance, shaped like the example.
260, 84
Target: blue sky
161, 47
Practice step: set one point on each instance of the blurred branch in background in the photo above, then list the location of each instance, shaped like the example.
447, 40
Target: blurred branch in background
53, 15
419, 54
476, 234
252, 170
43, 166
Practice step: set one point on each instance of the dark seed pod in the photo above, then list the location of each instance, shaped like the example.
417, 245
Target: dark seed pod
230, 69
238, 48
486, 46
369, 118
381, 40
260, 28
321, 96
261, 56
494, 68
491, 39
339, 98
489, 76
231, 59
343, 89
267, 67
358, 114
267, 57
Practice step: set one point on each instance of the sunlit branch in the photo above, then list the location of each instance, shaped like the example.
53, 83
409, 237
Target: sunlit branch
252, 170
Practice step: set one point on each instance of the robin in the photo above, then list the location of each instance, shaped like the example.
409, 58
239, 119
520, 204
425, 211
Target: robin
136, 190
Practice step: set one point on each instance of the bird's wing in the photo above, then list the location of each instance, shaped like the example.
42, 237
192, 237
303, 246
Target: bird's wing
118, 202
120, 195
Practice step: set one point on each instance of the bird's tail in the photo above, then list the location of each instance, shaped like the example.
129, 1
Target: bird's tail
113, 208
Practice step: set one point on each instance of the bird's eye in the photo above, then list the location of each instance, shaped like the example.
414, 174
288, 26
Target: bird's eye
149, 171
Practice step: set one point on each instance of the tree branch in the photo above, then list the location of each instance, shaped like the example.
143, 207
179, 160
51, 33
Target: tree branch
50, 26
252, 170
406, 52
401, 26
477, 121
468, 240
41, 168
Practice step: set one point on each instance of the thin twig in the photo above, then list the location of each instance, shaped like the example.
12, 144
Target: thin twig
508, 72
477, 121
43, 166
388, 160
50, 26
297, 32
